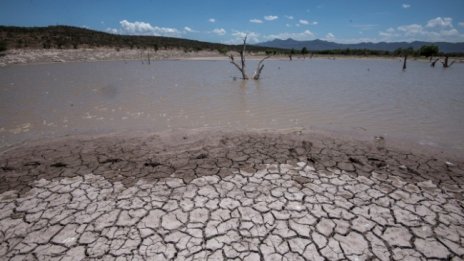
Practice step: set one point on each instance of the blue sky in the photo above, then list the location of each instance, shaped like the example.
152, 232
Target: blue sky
228, 21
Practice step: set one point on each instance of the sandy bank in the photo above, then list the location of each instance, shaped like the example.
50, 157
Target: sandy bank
37, 56
33, 56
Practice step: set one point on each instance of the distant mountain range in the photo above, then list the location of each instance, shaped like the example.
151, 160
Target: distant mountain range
320, 45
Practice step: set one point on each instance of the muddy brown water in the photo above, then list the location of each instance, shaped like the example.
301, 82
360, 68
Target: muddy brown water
365, 97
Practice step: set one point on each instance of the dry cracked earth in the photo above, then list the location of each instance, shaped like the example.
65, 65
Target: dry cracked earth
246, 196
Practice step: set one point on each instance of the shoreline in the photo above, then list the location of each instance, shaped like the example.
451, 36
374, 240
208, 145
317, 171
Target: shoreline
340, 137
395, 144
327, 149
51, 56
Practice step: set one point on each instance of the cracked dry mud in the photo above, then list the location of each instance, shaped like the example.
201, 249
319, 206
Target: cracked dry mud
240, 196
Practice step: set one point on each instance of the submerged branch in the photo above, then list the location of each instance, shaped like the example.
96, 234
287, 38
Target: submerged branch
434, 62
259, 68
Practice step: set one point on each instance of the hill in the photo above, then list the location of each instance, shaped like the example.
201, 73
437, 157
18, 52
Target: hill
320, 45
64, 37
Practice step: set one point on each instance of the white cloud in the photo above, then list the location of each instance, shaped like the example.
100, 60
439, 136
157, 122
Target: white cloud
305, 35
461, 24
329, 37
219, 31
111, 30
437, 29
289, 17
405, 6
252, 37
256, 21
440, 22
212, 20
411, 29
271, 17
389, 34
136, 27
144, 28
306, 22
451, 32
189, 30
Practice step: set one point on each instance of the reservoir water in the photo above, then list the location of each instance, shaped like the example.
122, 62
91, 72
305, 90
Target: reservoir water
367, 97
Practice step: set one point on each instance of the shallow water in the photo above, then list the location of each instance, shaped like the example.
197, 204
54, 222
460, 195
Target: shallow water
367, 97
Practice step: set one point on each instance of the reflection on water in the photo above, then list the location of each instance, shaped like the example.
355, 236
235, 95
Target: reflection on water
368, 97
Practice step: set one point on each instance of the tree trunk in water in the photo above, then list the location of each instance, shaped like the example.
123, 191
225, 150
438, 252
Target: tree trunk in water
404, 62
445, 64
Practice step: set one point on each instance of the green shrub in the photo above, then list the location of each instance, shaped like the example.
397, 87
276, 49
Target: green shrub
222, 50
429, 50
304, 51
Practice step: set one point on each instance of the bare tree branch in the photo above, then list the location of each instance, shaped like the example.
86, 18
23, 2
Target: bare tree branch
242, 59
259, 68
434, 62
232, 61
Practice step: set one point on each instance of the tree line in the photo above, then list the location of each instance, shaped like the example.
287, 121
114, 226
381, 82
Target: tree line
425, 51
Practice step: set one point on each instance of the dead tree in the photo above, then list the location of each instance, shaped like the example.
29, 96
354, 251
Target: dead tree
404, 61
242, 59
241, 67
259, 68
